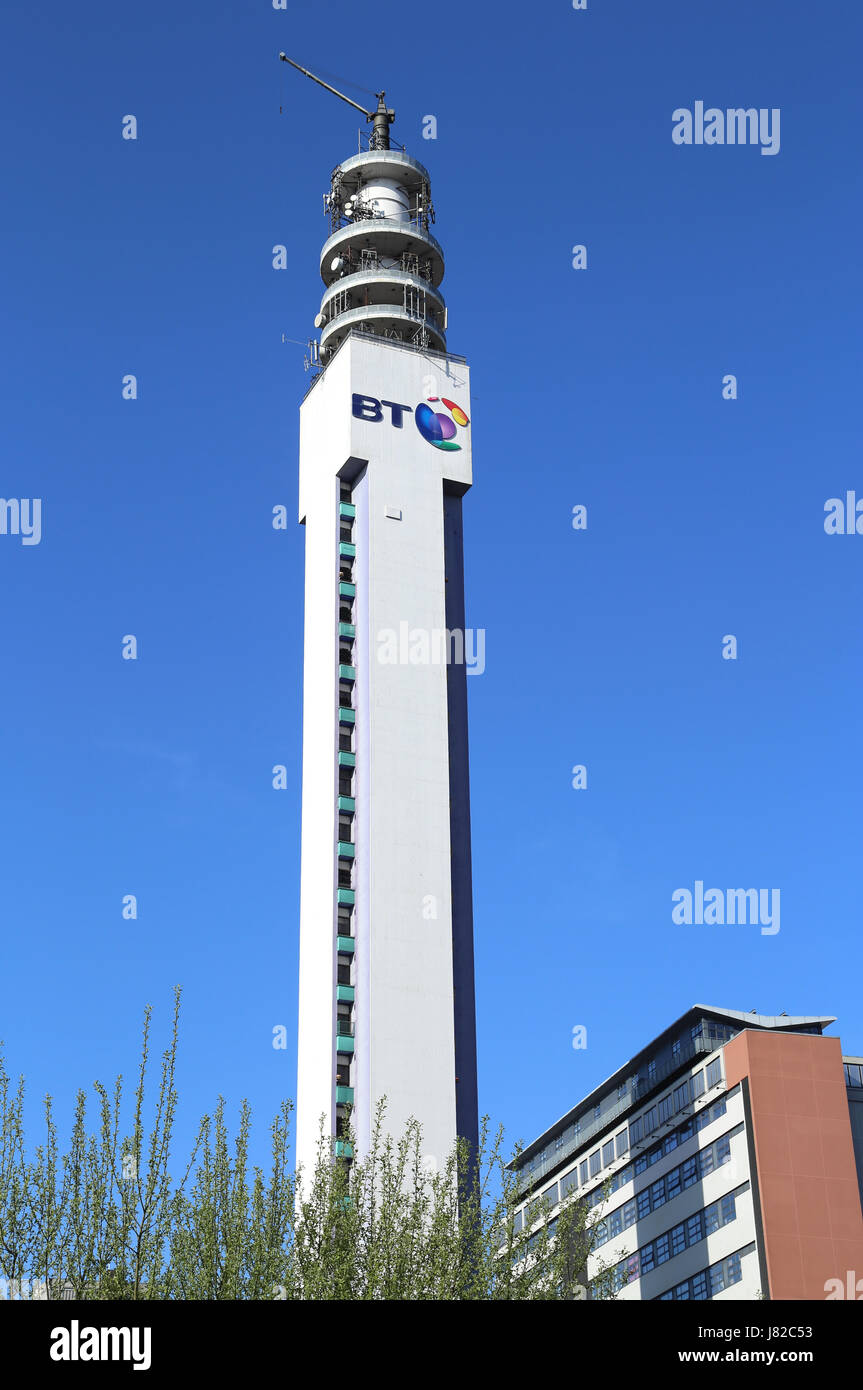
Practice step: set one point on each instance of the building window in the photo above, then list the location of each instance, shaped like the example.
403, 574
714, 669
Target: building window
697, 1084
651, 1072
681, 1096
596, 1111
568, 1182
621, 1090
582, 1172
665, 1109
708, 1282
622, 1143
714, 1072
595, 1163
675, 1049
648, 1119
711, 1219
731, 1272
634, 1131
608, 1153
667, 1245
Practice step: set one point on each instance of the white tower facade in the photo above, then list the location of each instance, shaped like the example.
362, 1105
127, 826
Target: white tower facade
386, 1007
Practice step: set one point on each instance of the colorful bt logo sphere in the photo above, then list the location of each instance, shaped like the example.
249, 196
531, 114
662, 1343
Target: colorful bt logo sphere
439, 429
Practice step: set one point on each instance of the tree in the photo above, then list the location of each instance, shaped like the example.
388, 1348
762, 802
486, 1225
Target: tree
106, 1220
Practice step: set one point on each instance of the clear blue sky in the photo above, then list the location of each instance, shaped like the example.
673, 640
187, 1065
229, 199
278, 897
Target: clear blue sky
600, 387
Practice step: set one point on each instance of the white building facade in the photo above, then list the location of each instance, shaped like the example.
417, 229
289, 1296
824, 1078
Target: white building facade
386, 987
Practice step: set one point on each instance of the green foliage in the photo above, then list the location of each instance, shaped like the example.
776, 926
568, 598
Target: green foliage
106, 1220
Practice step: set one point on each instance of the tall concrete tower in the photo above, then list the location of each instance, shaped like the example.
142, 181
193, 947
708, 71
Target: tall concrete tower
386, 1004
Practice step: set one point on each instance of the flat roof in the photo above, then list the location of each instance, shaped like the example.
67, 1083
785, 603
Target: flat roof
773, 1022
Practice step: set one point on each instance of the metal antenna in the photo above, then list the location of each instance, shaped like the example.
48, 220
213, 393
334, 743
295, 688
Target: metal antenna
381, 119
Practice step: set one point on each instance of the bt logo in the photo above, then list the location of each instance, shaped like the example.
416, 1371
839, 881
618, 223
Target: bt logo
434, 426
438, 428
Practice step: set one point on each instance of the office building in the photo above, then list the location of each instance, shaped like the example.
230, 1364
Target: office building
720, 1160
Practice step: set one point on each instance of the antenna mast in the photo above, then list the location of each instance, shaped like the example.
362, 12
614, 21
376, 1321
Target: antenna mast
381, 119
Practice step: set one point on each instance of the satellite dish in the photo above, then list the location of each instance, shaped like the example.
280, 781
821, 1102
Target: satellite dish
336, 263
319, 320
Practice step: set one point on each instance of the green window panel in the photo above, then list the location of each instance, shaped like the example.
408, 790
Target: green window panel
347, 673
344, 1095
345, 945
347, 759
345, 994
347, 509
347, 803
347, 590
346, 896
347, 551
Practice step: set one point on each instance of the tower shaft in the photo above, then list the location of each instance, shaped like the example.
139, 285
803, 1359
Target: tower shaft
386, 920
